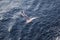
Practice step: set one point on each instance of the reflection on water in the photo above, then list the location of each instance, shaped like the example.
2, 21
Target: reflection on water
58, 38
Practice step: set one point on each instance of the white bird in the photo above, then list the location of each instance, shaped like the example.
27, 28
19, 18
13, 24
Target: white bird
28, 19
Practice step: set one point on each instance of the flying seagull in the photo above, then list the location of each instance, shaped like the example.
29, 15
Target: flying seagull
28, 19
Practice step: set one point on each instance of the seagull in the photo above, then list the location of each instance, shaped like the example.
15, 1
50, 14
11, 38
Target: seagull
28, 19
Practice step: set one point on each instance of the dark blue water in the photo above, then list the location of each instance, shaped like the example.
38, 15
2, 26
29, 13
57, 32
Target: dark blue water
13, 26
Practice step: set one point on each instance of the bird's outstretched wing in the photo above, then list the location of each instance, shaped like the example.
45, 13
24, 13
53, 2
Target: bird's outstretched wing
30, 19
